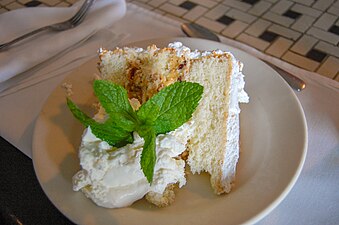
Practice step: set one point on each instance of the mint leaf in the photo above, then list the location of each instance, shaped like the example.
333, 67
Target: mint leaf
148, 155
77, 113
171, 107
108, 131
114, 100
112, 97
111, 133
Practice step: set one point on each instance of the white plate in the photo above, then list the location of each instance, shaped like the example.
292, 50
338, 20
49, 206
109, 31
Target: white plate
273, 149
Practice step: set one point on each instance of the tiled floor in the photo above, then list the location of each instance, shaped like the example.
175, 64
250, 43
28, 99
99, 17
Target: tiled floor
302, 32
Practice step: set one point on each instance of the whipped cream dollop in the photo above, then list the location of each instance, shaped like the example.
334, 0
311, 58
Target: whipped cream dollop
112, 177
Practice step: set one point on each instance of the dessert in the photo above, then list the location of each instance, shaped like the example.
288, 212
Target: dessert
112, 177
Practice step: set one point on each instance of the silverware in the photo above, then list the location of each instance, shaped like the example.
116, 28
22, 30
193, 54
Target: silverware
68, 24
195, 30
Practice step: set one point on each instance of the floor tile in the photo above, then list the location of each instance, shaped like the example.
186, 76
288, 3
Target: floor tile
6, 2
234, 29
260, 8
217, 12
206, 3
330, 67
239, 15
2, 10
305, 2
281, 7
155, 3
285, 32
175, 10
300, 61
279, 47
253, 41
278, 19
333, 10
258, 27
24, 1
211, 24
51, 2
328, 48
174, 2
323, 35
323, 4
334, 29
32, 3
14, 5
251, 2
316, 55
144, 5
325, 21
63, 4
243, 6
304, 44
71, 1
306, 10
188, 5
273, 1
268, 36
195, 13
303, 23
292, 14
226, 20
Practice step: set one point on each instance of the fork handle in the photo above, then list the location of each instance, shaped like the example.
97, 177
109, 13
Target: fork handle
295, 82
12, 42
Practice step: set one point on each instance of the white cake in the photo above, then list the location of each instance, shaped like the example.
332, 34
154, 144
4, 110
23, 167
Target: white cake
211, 137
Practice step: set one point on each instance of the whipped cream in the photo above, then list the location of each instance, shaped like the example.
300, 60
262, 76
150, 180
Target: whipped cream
112, 177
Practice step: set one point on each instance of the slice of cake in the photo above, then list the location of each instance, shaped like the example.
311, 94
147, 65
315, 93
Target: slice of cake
214, 143
214, 146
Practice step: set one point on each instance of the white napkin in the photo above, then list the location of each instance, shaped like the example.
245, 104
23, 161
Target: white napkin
33, 51
63, 62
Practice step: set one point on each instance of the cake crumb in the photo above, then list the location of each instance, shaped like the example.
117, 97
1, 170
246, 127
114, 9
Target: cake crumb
69, 88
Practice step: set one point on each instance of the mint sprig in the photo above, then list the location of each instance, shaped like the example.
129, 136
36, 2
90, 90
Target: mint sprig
164, 112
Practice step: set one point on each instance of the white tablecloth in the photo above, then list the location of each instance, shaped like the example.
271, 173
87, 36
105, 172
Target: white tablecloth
315, 197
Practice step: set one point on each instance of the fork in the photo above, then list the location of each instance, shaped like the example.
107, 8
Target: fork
68, 24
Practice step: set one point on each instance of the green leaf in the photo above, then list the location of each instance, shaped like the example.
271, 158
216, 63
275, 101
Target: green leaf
108, 131
114, 100
111, 133
77, 113
112, 97
171, 107
148, 155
